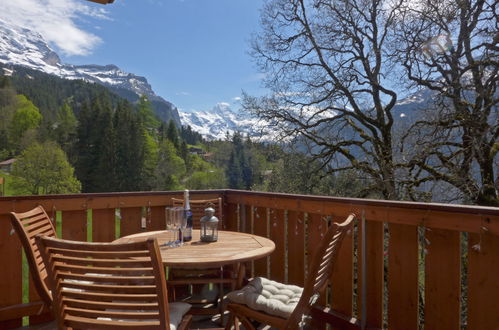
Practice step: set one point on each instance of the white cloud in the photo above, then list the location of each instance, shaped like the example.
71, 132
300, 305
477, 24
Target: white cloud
183, 93
55, 20
237, 98
223, 104
255, 77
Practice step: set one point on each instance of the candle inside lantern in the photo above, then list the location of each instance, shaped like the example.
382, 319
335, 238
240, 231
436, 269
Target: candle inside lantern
209, 226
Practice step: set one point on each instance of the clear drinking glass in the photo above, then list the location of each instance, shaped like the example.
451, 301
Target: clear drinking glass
174, 216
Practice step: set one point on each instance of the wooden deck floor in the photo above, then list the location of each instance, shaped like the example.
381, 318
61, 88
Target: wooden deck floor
198, 323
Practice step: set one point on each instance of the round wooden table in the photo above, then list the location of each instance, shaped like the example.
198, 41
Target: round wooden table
231, 248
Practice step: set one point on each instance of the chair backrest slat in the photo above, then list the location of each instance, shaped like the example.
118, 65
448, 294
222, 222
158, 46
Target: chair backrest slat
28, 225
198, 206
321, 269
115, 285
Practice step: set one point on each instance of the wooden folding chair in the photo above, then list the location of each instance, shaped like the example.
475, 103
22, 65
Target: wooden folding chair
179, 278
28, 225
197, 209
282, 315
109, 286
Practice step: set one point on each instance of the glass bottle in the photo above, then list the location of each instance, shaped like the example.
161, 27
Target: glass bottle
187, 234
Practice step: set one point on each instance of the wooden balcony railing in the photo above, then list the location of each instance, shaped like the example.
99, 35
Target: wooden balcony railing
405, 266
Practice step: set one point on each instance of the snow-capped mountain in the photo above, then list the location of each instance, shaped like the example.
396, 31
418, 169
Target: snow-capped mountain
21, 46
215, 124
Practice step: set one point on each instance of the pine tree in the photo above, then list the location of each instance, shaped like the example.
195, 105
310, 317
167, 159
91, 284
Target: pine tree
234, 172
172, 134
64, 128
105, 176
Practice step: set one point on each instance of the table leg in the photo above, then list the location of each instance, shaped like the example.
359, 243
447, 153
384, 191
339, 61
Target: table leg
240, 275
221, 294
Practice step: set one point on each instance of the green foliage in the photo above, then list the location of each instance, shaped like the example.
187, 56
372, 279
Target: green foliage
172, 134
170, 167
44, 169
64, 127
117, 146
211, 179
146, 113
26, 117
189, 136
7, 108
239, 170
115, 151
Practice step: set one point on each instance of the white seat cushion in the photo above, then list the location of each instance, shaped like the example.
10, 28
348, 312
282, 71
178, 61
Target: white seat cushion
268, 296
177, 311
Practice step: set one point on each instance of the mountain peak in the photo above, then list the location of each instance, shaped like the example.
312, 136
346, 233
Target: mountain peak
22, 46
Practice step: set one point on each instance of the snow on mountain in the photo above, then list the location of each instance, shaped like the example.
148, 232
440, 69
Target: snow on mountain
215, 124
21, 46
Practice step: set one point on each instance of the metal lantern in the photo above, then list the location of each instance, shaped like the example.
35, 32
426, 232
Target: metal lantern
209, 226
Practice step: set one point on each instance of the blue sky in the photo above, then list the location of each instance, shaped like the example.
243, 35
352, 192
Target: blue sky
193, 52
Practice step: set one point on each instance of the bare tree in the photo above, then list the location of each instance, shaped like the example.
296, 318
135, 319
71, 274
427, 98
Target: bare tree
450, 48
330, 74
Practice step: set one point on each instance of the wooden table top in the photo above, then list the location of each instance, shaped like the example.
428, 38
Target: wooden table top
231, 247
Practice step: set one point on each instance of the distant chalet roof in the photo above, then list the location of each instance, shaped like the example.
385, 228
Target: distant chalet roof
8, 162
104, 2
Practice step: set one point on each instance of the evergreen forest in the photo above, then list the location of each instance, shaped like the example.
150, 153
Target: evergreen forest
70, 136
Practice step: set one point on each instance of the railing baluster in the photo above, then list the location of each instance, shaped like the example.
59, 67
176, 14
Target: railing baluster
342, 277
130, 220
296, 248
316, 228
74, 225
156, 219
260, 229
33, 296
231, 216
483, 281
375, 273
403, 277
11, 274
277, 234
442, 280
103, 225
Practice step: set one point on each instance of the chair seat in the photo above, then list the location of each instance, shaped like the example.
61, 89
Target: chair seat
268, 296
